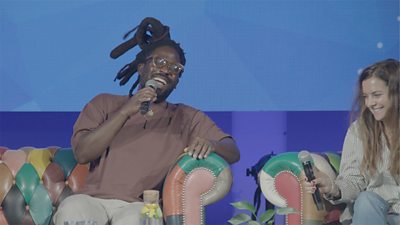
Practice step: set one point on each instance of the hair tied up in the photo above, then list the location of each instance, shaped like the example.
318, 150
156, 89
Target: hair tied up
150, 30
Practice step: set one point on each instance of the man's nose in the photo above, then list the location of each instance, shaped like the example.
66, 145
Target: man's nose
164, 69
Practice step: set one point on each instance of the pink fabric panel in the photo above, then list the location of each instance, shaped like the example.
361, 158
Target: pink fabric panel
193, 189
14, 159
3, 220
2, 150
288, 187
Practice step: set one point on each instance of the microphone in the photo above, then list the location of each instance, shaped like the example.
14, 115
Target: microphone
145, 106
307, 161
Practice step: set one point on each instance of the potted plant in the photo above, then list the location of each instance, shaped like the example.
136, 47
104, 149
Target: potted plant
266, 218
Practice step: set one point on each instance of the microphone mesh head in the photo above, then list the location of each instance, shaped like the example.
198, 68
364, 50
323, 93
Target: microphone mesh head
152, 83
304, 156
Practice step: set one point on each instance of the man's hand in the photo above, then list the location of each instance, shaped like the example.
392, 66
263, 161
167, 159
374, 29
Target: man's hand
200, 148
134, 103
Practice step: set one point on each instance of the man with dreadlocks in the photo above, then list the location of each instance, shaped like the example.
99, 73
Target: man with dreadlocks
130, 148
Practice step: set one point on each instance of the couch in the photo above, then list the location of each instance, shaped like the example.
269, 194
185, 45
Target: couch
281, 184
33, 182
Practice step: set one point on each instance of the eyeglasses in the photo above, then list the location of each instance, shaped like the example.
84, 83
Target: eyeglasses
160, 62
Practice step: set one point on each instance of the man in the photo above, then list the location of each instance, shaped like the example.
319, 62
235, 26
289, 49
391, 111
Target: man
130, 151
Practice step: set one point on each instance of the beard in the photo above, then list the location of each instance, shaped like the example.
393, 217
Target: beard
163, 95
164, 92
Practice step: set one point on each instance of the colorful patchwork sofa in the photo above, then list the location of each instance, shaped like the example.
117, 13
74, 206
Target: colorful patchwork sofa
33, 182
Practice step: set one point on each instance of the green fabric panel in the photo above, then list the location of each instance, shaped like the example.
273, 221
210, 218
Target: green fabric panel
187, 163
334, 160
26, 180
65, 158
313, 222
174, 220
213, 162
283, 161
41, 207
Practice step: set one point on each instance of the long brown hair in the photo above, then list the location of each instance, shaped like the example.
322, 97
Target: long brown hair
371, 130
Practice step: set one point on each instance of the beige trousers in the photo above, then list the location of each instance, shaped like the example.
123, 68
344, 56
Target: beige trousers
83, 209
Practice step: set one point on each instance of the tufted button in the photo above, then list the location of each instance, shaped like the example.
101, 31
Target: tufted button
66, 183
14, 181
27, 207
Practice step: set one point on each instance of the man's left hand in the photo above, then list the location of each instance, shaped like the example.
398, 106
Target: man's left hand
200, 148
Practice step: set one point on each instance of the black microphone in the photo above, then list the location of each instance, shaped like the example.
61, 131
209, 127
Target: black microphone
145, 106
307, 161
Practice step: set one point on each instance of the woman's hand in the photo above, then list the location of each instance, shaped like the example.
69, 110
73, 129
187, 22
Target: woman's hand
322, 181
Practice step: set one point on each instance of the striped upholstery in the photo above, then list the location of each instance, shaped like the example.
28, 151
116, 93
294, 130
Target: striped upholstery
33, 182
280, 183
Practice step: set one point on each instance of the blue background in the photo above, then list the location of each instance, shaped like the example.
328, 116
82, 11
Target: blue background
277, 75
242, 55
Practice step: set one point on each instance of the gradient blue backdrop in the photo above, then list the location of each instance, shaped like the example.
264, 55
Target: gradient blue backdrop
243, 55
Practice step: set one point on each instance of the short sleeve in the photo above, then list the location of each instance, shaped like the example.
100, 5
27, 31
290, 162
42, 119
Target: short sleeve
202, 126
92, 116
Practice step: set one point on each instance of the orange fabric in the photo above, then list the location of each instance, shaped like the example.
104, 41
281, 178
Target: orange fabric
77, 178
173, 188
6, 181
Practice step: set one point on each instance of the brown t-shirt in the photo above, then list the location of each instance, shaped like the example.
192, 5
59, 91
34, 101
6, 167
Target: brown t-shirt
143, 151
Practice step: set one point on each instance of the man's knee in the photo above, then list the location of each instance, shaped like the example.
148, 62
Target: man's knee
76, 209
71, 204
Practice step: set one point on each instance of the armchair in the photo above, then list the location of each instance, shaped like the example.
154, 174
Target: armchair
280, 181
33, 182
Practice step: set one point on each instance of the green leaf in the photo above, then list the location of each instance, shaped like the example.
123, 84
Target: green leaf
244, 205
285, 211
239, 219
271, 222
267, 216
253, 223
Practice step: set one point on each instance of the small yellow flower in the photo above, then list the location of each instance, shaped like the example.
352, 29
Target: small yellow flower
151, 211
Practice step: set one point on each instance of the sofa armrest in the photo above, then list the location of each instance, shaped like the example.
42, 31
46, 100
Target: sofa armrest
281, 183
193, 184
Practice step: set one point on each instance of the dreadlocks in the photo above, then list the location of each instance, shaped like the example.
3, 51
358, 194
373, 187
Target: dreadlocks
150, 34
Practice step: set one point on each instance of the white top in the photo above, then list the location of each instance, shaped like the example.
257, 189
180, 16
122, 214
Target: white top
351, 182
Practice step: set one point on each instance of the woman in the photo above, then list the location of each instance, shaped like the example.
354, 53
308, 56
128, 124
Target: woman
369, 175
